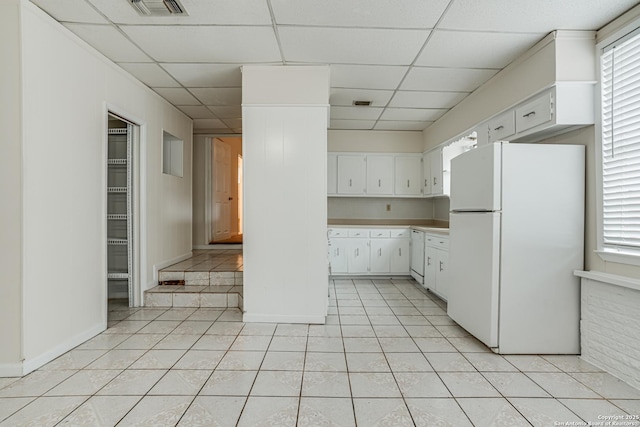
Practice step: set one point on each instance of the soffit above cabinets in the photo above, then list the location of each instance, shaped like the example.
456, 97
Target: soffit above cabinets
414, 59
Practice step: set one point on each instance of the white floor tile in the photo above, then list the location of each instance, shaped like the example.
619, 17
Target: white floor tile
492, 412
437, 412
269, 411
44, 411
334, 412
382, 412
212, 411
158, 411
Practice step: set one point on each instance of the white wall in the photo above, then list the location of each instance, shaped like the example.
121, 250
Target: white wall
375, 141
67, 88
376, 208
10, 191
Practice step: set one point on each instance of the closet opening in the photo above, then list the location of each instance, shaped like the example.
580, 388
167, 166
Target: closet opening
122, 211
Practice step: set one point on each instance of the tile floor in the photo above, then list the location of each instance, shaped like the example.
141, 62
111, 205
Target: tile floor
388, 356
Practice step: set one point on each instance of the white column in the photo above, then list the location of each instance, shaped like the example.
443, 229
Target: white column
284, 115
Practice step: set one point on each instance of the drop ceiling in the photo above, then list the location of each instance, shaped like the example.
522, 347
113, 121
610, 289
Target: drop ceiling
413, 59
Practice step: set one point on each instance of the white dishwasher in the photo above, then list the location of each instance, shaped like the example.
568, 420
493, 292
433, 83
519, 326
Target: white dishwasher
417, 255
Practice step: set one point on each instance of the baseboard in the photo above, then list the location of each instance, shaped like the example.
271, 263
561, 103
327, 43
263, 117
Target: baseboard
283, 318
159, 266
10, 370
221, 246
30, 365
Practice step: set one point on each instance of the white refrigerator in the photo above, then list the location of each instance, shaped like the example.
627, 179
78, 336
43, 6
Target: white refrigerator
516, 236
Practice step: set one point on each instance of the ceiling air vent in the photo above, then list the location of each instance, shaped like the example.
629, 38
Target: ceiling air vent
362, 103
158, 7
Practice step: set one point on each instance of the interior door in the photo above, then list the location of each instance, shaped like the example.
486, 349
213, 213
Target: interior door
222, 190
474, 273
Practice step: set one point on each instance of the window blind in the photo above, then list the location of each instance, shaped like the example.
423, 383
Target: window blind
620, 83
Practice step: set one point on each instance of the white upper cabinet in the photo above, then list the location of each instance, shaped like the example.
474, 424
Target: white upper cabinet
374, 174
379, 175
435, 158
502, 127
351, 174
426, 174
332, 174
408, 175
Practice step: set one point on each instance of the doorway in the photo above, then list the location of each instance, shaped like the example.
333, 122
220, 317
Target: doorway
122, 210
225, 222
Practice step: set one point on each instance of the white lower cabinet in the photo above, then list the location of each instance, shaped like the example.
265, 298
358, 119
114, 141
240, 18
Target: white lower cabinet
374, 251
436, 274
338, 255
358, 256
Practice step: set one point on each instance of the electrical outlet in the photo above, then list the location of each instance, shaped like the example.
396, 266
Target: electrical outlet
388, 208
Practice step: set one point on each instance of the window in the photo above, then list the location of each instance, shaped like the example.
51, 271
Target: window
620, 109
172, 155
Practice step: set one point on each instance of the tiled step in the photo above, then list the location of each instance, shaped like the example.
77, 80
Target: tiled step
222, 296
203, 278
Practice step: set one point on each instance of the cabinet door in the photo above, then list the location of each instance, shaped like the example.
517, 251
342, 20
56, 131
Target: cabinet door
351, 174
442, 273
408, 175
400, 257
430, 266
338, 256
417, 252
435, 157
332, 174
358, 255
380, 251
380, 175
426, 174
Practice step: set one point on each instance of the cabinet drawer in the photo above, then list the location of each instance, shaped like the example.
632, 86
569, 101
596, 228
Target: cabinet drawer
338, 232
502, 127
379, 234
534, 113
437, 241
400, 233
358, 233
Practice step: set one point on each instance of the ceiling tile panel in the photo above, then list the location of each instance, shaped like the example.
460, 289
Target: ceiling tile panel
355, 113
225, 12
540, 16
223, 112
360, 13
352, 124
446, 79
367, 76
218, 96
346, 97
71, 11
401, 125
197, 111
110, 42
209, 124
458, 49
404, 99
415, 114
206, 43
233, 123
206, 75
351, 46
177, 96
150, 74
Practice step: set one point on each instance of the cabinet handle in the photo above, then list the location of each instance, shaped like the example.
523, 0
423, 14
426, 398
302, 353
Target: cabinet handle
380, 252
425, 182
499, 127
428, 260
408, 183
350, 182
440, 265
357, 252
379, 183
530, 114
399, 251
435, 182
